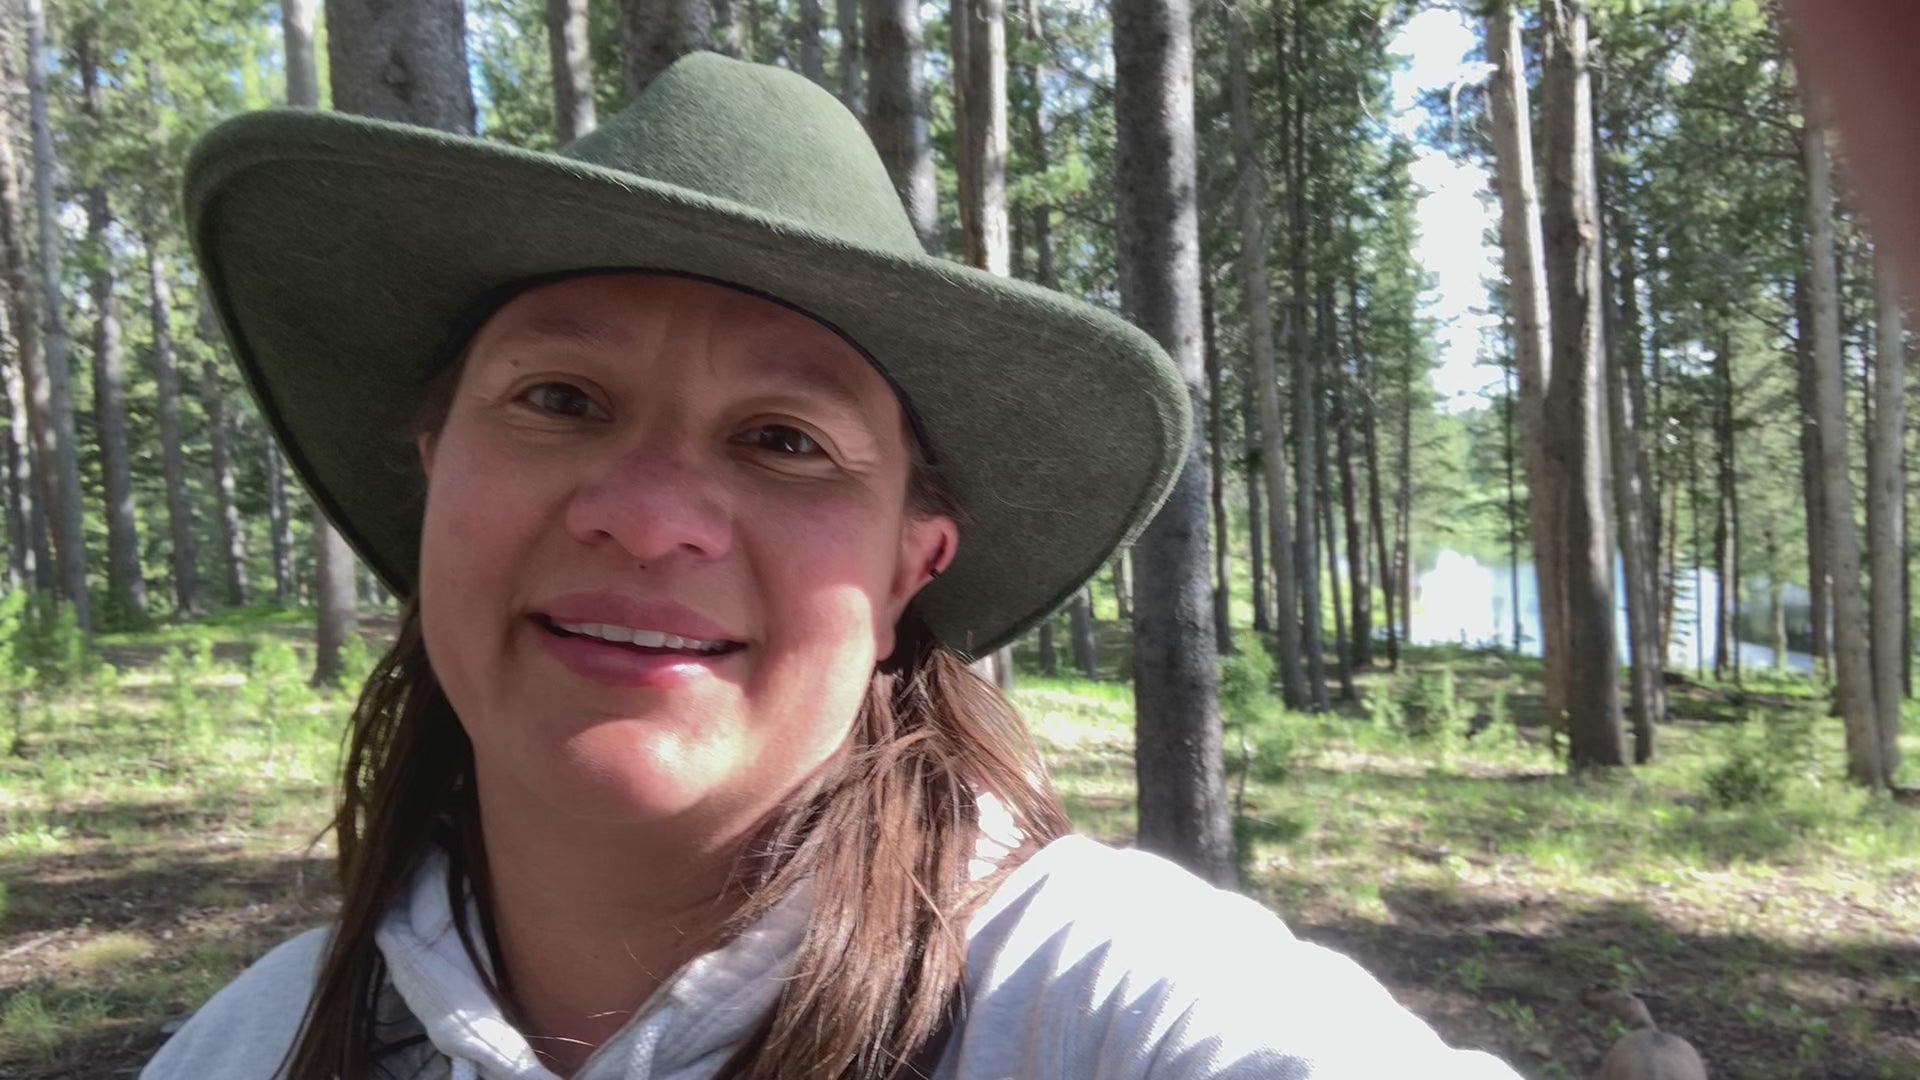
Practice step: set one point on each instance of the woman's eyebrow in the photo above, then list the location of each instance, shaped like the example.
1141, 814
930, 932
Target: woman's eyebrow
572, 329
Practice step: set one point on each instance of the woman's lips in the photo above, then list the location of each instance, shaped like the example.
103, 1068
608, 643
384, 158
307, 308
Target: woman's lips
627, 665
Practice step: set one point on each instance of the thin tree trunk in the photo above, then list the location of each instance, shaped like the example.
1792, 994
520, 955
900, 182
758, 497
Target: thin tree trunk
126, 586
21, 555
1182, 788
570, 55
1217, 475
726, 32
983, 133
1724, 645
1886, 516
1323, 489
1259, 321
1571, 231
279, 523
1122, 587
1852, 666
303, 77
1403, 507
847, 15
1508, 407
1370, 436
1646, 697
28, 435
1080, 626
1812, 481
186, 557
1303, 382
653, 34
233, 535
1256, 514
1523, 254
61, 452
898, 109
1361, 627
813, 62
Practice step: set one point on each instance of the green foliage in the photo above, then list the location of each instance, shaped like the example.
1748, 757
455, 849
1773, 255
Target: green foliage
1429, 707
1754, 771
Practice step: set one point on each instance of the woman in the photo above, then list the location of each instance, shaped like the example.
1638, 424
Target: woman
675, 769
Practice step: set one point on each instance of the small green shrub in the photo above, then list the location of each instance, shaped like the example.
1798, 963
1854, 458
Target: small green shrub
1246, 684
1746, 776
1430, 706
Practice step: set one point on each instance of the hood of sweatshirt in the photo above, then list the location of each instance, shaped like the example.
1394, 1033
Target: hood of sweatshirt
684, 1030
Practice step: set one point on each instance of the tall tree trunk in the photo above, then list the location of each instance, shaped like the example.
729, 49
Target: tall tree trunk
1370, 437
1886, 517
64, 507
653, 34
1812, 480
1122, 587
1724, 562
1646, 686
19, 468
1182, 787
303, 76
813, 62
1571, 230
1853, 674
726, 32
279, 523
396, 61
1357, 557
368, 41
1217, 475
1323, 489
186, 557
570, 55
1255, 478
1302, 382
1507, 408
847, 15
1523, 254
1086, 657
126, 586
898, 109
1403, 506
1259, 320
233, 534
29, 453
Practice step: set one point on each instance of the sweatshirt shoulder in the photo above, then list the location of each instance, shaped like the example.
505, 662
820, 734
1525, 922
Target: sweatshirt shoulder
1090, 961
243, 1031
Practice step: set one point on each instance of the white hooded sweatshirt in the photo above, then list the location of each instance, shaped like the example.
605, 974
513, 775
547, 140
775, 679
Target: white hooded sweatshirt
1086, 962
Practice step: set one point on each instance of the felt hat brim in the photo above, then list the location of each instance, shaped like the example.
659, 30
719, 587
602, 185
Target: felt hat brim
345, 255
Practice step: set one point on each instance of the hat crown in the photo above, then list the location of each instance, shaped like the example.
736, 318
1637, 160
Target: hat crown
760, 137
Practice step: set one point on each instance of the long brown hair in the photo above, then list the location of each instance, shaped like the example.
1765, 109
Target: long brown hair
884, 834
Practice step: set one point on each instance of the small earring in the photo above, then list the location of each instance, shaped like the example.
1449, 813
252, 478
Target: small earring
934, 571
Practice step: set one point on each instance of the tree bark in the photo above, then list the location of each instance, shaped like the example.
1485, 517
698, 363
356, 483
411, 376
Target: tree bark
303, 78
1572, 233
1217, 475
1647, 687
847, 15
398, 61
126, 586
1259, 320
1812, 480
186, 557
19, 468
570, 56
1853, 674
983, 135
1523, 253
813, 63
1370, 437
1182, 789
1302, 384
1361, 627
233, 535
279, 523
898, 110
1255, 478
1886, 516
29, 456
60, 449
1725, 562
1323, 486
727, 39
1080, 625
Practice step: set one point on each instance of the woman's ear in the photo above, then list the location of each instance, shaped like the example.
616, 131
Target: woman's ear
927, 547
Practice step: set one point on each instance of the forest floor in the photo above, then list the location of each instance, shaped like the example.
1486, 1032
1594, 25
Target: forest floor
158, 821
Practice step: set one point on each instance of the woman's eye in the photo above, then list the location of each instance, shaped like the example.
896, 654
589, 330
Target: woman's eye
781, 439
561, 399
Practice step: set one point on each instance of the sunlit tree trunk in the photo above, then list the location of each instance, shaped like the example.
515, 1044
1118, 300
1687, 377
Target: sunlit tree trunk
1725, 561
1886, 516
1523, 254
1255, 480
1646, 698
1259, 322
1853, 674
303, 76
847, 15
1182, 787
1343, 408
1812, 474
1376, 506
31, 558
1217, 474
1086, 657
1323, 491
59, 449
1571, 230
897, 109
570, 57
1302, 380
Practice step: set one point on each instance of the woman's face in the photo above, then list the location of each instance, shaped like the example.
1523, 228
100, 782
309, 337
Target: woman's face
666, 541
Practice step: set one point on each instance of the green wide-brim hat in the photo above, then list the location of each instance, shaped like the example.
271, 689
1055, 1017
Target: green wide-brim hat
349, 258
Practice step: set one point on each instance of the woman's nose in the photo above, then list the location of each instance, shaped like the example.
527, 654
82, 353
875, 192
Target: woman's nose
658, 501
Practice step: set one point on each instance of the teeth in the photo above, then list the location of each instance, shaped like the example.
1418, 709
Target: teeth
651, 639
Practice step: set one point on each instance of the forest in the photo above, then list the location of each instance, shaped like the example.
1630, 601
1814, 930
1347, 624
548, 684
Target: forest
1591, 672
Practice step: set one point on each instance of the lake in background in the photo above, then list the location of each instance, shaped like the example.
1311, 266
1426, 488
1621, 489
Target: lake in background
1463, 601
